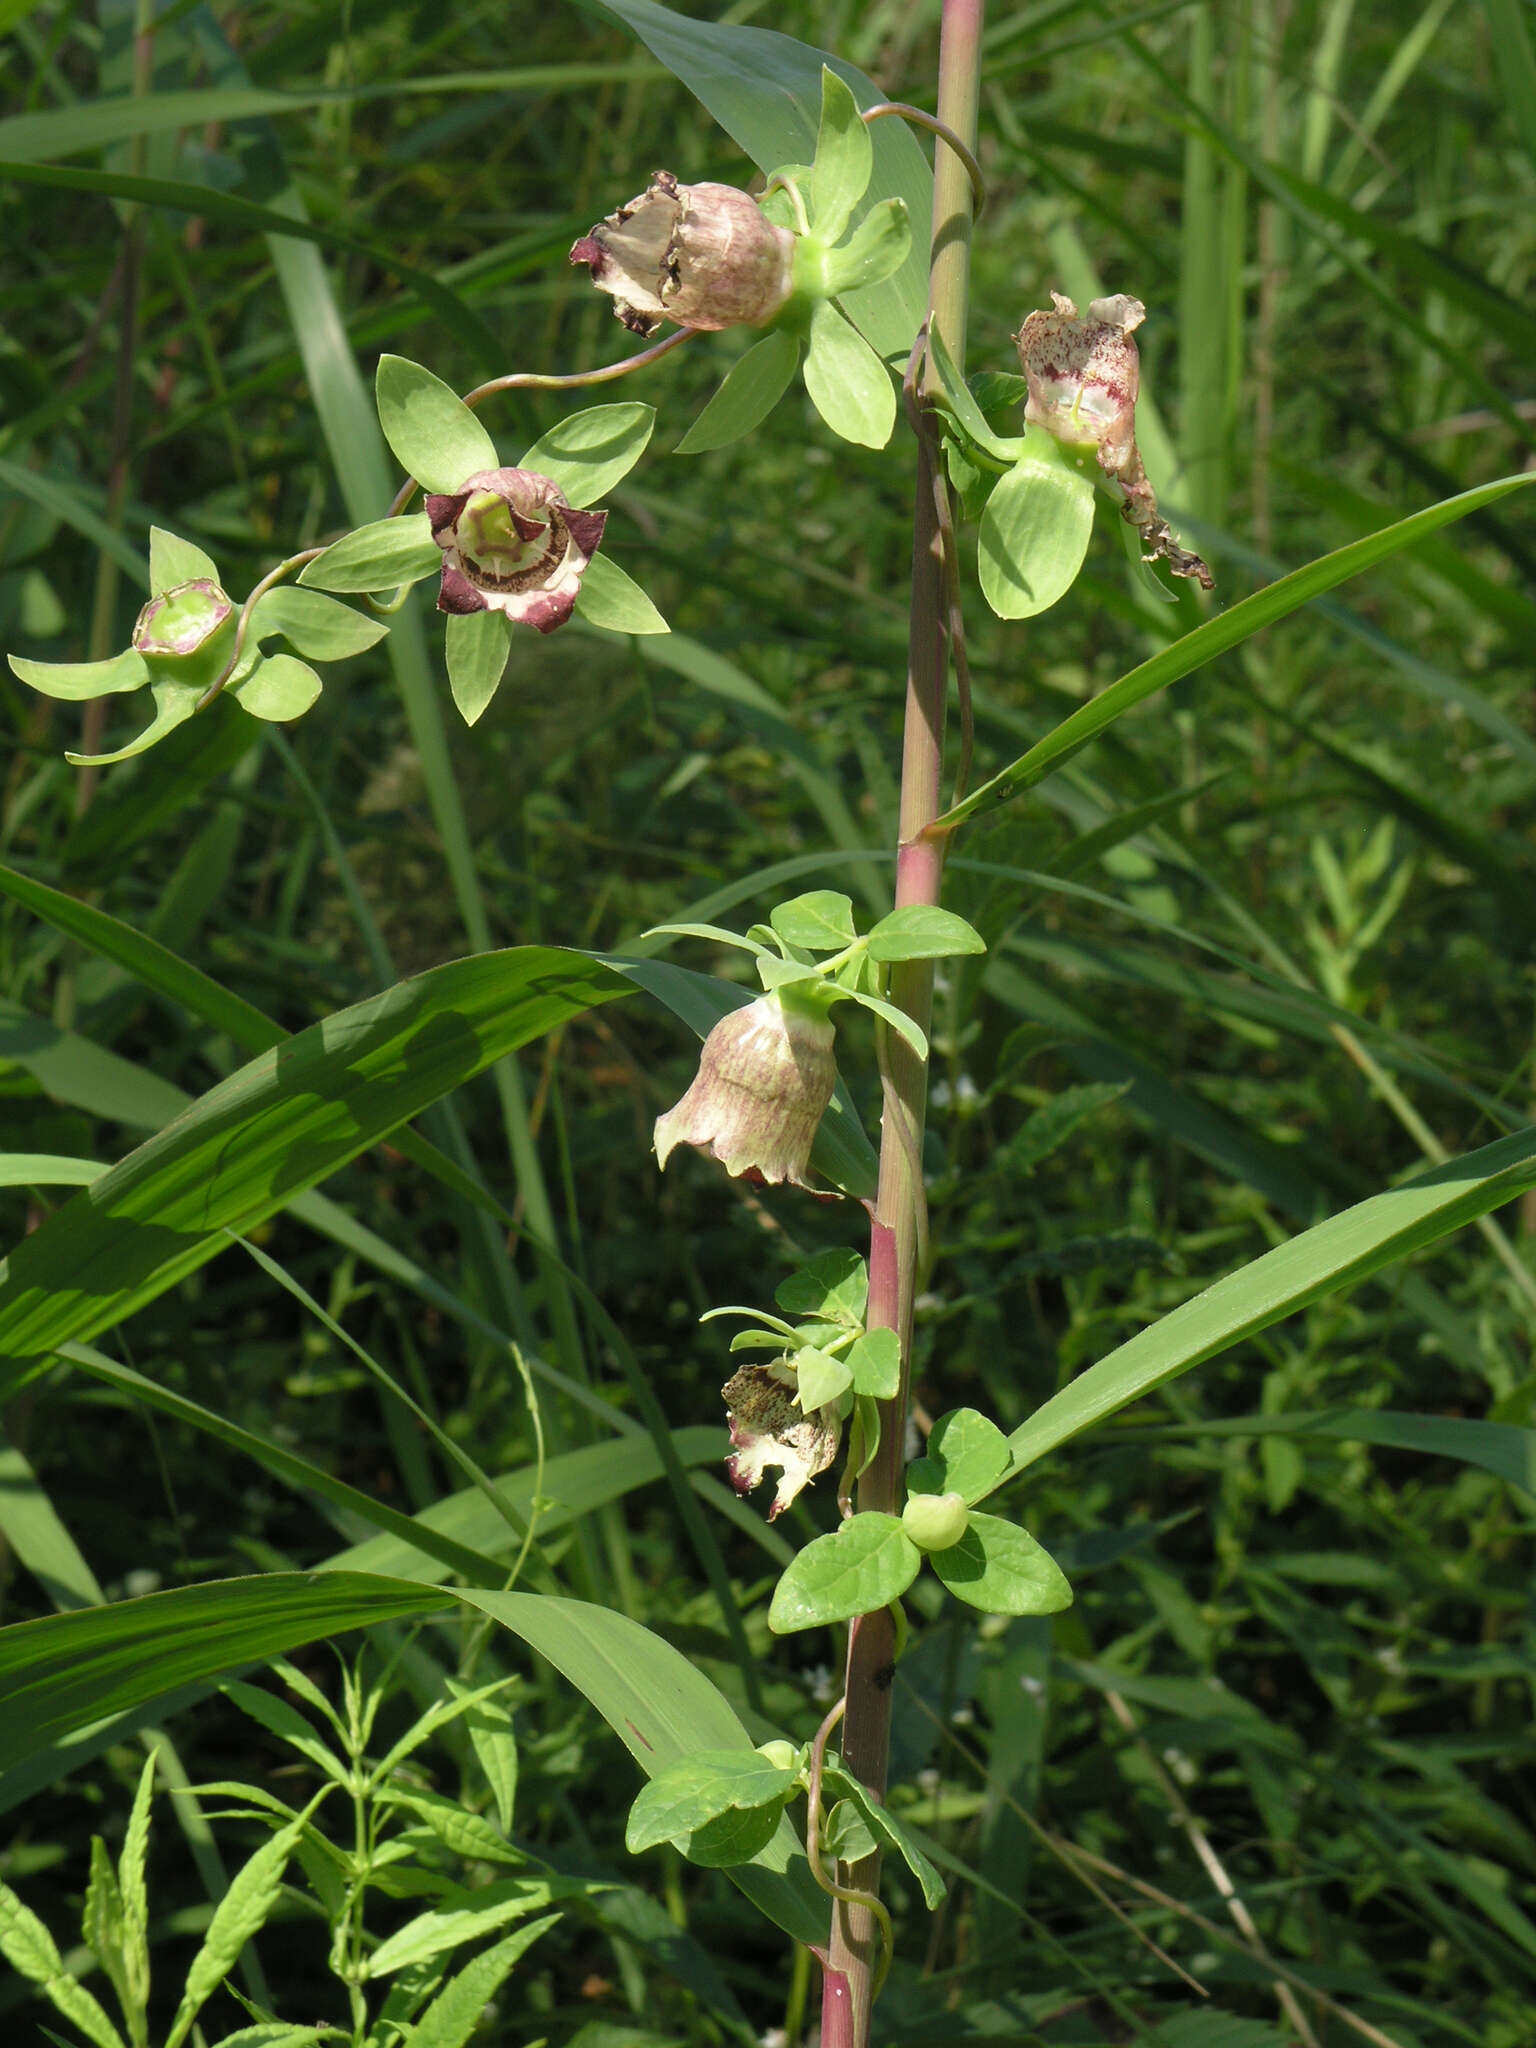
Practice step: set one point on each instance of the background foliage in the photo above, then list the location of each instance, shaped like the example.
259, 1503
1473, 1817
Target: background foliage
1258, 953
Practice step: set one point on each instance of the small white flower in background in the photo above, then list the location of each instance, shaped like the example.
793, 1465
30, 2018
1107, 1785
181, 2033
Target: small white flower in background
512, 544
703, 255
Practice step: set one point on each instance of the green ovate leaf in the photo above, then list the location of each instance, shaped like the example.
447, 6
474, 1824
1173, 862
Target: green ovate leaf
476, 645
843, 162
921, 931
700, 1788
821, 1377
966, 1454
1035, 531
867, 1562
492, 1736
904, 1026
874, 1364
278, 688
434, 435
833, 1285
312, 624
608, 597
750, 391
174, 561
79, 680
877, 247
587, 454
822, 921
849, 385
174, 705
846, 1835
997, 1567
383, 556
887, 1830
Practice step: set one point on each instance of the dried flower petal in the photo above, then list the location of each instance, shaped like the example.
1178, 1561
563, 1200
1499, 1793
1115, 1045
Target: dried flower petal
703, 255
512, 544
767, 1428
1084, 374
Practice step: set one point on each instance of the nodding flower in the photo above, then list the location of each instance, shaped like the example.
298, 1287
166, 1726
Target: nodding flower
701, 255
766, 1074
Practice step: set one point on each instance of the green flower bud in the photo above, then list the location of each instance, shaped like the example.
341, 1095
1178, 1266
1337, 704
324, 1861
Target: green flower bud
186, 635
779, 1752
936, 1521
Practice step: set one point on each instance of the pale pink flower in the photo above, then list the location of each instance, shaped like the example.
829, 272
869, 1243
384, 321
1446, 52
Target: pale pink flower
512, 544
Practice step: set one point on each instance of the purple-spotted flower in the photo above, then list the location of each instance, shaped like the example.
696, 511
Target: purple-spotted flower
1084, 374
703, 256
766, 1074
768, 1428
512, 544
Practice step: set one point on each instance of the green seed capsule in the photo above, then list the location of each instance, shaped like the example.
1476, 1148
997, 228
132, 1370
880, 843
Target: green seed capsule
935, 1521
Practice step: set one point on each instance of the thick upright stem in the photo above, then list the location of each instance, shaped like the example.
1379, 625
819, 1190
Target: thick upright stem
897, 1233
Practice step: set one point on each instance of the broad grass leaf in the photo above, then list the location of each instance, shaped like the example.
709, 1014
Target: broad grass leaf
67, 1671
1348, 1247
868, 1561
1217, 636
432, 432
273, 1129
752, 387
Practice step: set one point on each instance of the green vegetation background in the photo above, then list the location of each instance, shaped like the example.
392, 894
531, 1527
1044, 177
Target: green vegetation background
1278, 926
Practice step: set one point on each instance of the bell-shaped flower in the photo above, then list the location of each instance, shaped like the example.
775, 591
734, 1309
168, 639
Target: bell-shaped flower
512, 544
703, 256
768, 1428
766, 1074
185, 635
1084, 374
